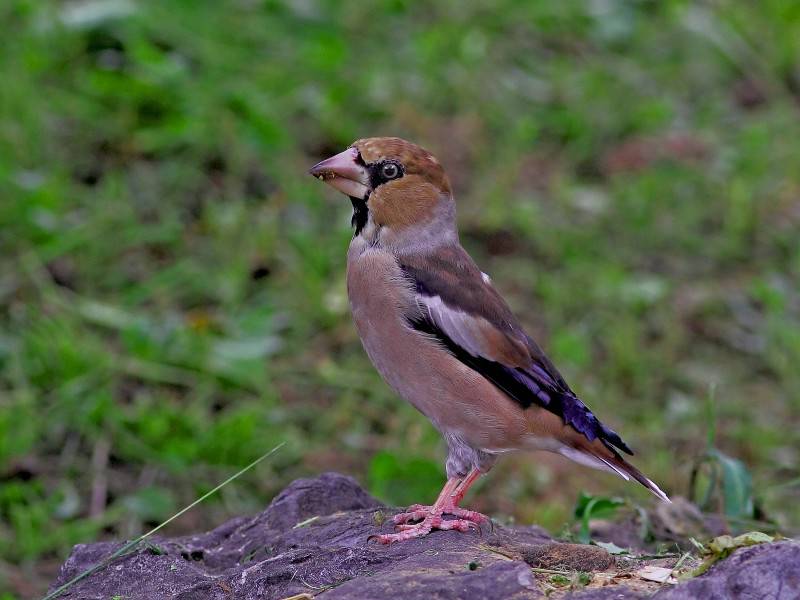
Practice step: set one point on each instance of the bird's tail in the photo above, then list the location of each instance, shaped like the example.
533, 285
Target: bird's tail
622, 466
609, 460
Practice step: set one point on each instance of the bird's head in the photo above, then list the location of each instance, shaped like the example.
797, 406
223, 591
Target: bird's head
396, 183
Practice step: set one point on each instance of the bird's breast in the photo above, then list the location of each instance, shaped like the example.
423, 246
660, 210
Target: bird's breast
380, 299
454, 396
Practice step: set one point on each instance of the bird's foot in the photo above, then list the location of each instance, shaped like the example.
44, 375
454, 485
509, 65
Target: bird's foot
418, 512
429, 519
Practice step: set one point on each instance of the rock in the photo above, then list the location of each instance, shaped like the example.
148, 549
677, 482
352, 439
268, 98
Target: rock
671, 524
763, 571
312, 541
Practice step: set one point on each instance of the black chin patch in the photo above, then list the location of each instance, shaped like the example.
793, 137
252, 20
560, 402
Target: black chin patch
360, 214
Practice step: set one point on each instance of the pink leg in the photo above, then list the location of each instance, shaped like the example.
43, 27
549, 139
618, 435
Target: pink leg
431, 517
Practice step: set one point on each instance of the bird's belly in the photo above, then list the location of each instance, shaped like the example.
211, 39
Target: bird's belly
457, 399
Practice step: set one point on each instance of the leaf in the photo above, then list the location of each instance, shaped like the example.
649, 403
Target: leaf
723, 546
658, 574
597, 506
737, 485
727, 483
594, 507
611, 548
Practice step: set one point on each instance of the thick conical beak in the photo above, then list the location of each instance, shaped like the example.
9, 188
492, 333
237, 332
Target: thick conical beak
345, 172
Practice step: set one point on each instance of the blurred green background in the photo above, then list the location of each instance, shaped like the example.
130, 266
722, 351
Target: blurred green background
172, 288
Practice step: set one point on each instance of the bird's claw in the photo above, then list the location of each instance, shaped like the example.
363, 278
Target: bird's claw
438, 523
426, 520
419, 512
414, 513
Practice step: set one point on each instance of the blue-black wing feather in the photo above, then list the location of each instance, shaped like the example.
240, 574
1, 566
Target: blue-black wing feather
452, 276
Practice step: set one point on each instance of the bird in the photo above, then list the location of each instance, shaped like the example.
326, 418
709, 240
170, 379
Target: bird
444, 339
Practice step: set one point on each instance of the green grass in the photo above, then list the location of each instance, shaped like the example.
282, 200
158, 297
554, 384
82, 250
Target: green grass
172, 302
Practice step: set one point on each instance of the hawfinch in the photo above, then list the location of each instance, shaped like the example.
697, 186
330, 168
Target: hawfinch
444, 339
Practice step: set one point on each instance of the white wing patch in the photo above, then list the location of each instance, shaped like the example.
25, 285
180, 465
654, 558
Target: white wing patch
587, 460
459, 326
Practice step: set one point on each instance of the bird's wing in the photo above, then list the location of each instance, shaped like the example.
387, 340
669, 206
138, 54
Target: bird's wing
459, 306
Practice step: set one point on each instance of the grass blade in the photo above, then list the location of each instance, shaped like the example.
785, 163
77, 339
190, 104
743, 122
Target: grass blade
133, 543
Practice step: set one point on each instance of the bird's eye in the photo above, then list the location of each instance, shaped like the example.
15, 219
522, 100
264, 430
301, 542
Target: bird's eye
390, 170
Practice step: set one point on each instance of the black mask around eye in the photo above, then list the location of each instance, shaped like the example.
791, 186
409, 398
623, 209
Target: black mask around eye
386, 170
